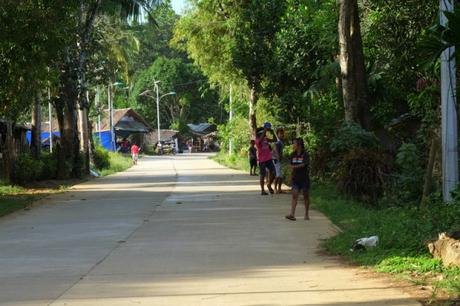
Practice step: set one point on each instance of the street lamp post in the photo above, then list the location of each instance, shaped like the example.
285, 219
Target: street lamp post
158, 99
158, 110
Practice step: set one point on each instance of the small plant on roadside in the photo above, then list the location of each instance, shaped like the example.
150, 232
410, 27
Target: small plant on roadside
49, 169
117, 163
406, 185
101, 158
352, 136
362, 173
26, 169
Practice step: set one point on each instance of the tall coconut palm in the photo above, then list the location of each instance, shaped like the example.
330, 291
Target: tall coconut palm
72, 93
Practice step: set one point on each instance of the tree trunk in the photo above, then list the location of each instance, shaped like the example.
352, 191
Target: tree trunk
87, 18
84, 137
428, 179
8, 152
92, 147
68, 164
353, 74
36, 127
252, 110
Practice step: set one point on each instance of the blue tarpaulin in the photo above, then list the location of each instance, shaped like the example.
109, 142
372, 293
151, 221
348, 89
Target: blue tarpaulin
45, 135
102, 138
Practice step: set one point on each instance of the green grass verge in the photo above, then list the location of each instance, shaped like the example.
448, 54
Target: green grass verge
232, 161
14, 198
403, 233
118, 162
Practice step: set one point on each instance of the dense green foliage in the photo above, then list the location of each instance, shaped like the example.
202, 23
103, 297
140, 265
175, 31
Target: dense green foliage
299, 86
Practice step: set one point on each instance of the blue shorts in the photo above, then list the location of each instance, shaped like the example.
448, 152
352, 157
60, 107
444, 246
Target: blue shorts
301, 186
266, 165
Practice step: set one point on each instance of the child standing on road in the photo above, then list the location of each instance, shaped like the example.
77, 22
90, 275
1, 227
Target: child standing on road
135, 153
265, 158
300, 177
277, 154
252, 158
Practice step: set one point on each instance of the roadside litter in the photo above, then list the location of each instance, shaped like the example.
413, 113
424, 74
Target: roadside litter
364, 243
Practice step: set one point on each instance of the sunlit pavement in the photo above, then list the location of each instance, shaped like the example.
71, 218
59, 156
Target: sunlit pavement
175, 231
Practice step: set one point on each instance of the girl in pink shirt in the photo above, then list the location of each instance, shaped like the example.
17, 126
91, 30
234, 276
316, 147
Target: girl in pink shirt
264, 153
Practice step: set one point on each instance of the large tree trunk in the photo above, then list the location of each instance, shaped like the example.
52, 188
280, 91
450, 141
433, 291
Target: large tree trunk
36, 127
353, 73
73, 94
87, 18
84, 137
252, 110
92, 147
66, 112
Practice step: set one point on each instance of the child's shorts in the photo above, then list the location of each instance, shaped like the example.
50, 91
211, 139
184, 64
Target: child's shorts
277, 168
263, 166
135, 156
253, 162
301, 186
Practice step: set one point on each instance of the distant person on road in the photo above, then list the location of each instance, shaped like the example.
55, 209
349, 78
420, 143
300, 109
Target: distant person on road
135, 153
277, 155
160, 148
300, 178
124, 146
190, 146
264, 154
252, 152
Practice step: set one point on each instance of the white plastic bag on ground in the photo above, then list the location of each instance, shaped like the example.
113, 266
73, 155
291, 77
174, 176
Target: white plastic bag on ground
366, 242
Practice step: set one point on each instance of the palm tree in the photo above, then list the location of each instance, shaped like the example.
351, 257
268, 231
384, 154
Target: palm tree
72, 93
439, 37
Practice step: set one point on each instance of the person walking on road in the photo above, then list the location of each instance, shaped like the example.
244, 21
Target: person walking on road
252, 152
265, 158
135, 153
300, 178
277, 159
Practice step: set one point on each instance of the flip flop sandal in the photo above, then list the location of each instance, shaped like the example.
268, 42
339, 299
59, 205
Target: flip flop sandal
292, 218
263, 193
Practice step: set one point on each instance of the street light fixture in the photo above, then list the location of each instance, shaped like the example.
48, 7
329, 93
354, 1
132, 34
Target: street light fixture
158, 98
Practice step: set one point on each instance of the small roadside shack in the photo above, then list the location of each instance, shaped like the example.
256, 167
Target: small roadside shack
19, 136
127, 124
203, 136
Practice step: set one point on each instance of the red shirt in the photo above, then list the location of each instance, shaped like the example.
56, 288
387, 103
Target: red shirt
263, 150
134, 149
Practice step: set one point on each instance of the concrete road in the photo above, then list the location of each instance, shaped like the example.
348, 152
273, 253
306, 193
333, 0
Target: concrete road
175, 231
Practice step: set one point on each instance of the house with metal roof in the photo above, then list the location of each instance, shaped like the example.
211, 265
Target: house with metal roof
126, 123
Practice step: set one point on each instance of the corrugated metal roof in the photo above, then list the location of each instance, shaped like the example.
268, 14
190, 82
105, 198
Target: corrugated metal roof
202, 128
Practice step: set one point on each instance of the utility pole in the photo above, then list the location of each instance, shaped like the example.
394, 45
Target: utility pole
230, 117
449, 112
98, 127
50, 117
112, 134
158, 110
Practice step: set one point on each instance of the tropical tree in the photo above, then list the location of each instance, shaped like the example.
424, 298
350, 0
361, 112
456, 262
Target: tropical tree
353, 71
73, 79
232, 40
193, 101
25, 57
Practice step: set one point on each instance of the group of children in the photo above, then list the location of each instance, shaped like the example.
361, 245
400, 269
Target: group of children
268, 154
